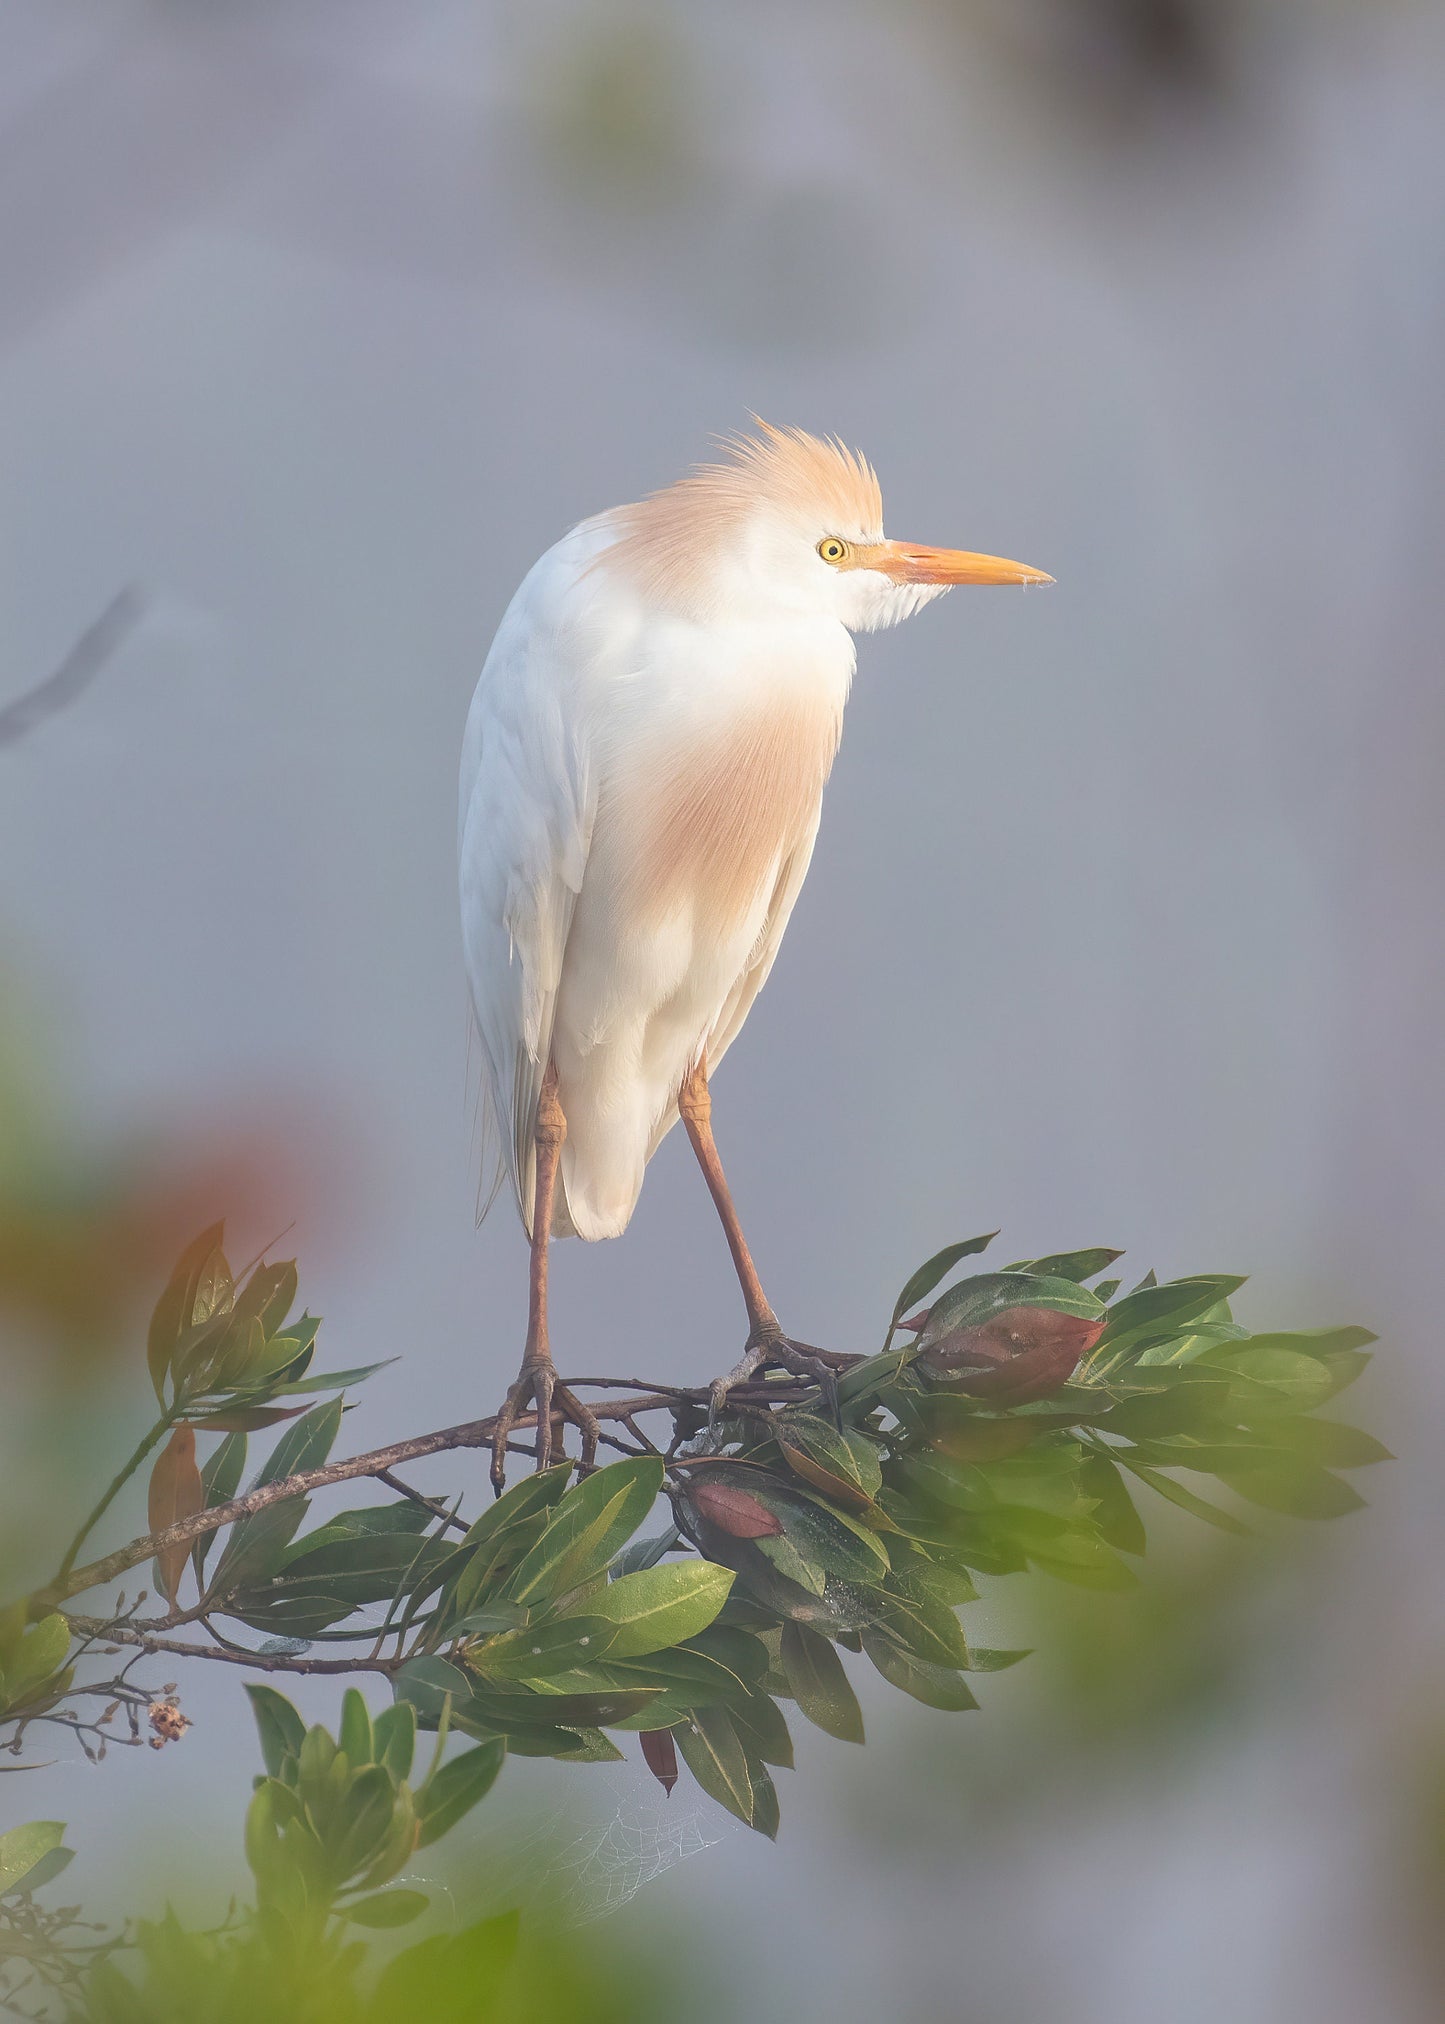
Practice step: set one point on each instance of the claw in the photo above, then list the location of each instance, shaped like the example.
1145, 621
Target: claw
537, 1381
798, 1357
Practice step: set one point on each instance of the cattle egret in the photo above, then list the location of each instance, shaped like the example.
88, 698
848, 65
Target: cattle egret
642, 774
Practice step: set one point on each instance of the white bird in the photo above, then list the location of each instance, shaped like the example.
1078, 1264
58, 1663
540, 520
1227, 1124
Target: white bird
641, 780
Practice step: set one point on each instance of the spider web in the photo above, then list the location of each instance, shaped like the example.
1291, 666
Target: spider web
581, 1874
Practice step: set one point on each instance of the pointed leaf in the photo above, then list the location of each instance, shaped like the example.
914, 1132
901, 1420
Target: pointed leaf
928, 1275
590, 1523
455, 1787
660, 1755
281, 1728
713, 1752
23, 1847
936, 1686
197, 1268
393, 1735
176, 1492
820, 1685
661, 1606
537, 1651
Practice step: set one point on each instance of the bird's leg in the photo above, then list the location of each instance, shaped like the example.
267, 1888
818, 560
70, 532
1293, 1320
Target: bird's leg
537, 1380
766, 1341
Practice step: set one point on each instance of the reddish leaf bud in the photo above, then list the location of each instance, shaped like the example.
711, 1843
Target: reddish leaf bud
660, 1752
735, 1511
1016, 1356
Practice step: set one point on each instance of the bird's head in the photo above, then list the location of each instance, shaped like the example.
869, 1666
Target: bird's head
790, 525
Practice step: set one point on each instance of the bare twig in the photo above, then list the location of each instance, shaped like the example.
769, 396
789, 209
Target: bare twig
234, 1655
432, 1504
98, 644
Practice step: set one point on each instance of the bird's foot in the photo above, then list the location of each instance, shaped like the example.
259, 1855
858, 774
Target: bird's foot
537, 1382
768, 1345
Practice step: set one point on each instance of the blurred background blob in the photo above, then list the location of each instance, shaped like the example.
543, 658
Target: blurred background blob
320, 321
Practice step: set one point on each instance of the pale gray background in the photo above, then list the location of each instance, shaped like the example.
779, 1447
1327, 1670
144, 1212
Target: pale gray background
320, 320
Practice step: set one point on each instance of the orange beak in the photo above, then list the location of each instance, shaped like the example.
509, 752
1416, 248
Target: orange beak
907, 562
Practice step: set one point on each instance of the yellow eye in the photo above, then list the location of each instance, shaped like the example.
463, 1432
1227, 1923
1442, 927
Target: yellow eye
832, 549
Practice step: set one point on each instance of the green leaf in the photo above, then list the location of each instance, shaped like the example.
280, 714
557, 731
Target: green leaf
23, 1847
305, 1444
371, 1521
1081, 1558
865, 1380
1295, 1485
435, 1980
928, 1276
1328, 1441
843, 1465
219, 1481
1076, 1265
937, 1686
828, 1537
40, 1654
493, 1547
426, 1682
685, 1676
587, 1528
455, 1787
793, 1565
354, 1735
765, 1801
258, 1540
1293, 1381
385, 1908
192, 1292
328, 1380
1152, 1314
46, 1870
503, 1712
713, 1751
645, 1553
1114, 1513
982, 1660
281, 1727
370, 1568
393, 1734
661, 1606
267, 1295
1175, 1493
760, 1723
820, 1685
926, 1629
535, 1651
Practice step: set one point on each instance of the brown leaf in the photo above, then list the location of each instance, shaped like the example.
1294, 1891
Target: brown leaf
837, 1487
660, 1751
1023, 1354
175, 1492
735, 1511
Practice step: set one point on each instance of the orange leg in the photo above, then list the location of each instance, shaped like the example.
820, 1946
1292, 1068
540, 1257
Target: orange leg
537, 1380
766, 1341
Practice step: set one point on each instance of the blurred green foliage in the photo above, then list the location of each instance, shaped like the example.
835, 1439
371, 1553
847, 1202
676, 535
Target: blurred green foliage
809, 1524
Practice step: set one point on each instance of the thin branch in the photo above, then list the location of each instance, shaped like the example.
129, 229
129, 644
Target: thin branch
379, 1462
234, 1655
98, 644
432, 1504
113, 1489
